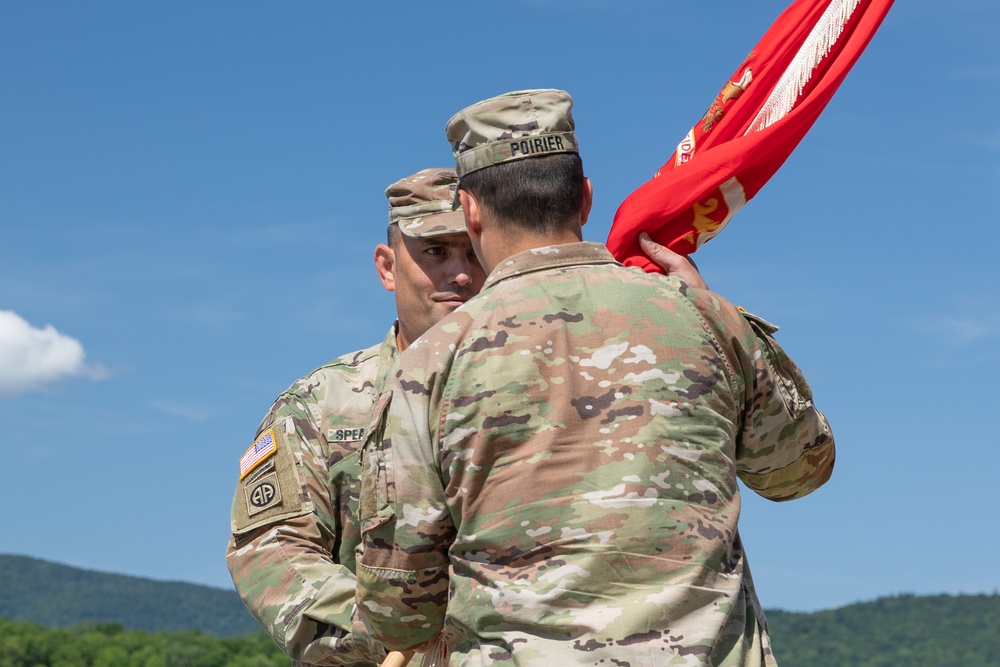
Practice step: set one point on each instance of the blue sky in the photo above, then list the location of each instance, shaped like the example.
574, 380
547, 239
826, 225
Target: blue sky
190, 195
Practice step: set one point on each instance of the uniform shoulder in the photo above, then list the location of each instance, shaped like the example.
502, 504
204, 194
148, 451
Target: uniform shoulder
347, 368
355, 359
757, 321
708, 301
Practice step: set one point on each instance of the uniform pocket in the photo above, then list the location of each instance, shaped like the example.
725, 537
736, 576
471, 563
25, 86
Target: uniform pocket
377, 488
791, 385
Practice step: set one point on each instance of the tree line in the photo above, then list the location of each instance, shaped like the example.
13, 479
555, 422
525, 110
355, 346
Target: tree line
26, 644
905, 630
915, 631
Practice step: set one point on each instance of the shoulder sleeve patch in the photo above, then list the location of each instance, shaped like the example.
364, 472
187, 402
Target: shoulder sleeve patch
265, 492
260, 451
270, 489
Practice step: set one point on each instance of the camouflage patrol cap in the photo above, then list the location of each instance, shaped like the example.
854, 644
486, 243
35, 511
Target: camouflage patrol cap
421, 204
512, 126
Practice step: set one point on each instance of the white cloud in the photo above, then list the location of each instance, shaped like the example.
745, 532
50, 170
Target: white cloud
192, 413
986, 72
959, 331
985, 140
965, 331
33, 359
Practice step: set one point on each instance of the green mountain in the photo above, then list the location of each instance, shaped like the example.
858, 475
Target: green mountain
908, 630
27, 644
59, 596
915, 631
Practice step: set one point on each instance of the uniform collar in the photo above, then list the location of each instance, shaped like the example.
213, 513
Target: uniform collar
388, 352
549, 257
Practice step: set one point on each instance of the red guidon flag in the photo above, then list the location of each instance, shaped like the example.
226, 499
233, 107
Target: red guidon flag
750, 129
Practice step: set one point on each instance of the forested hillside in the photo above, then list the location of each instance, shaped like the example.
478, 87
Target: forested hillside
910, 631
26, 644
59, 595
58, 616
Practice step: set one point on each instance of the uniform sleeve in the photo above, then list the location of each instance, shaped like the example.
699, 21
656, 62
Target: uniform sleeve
406, 527
786, 448
283, 554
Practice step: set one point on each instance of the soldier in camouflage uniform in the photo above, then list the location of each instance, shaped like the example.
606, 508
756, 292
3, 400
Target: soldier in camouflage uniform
294, 517
550, 477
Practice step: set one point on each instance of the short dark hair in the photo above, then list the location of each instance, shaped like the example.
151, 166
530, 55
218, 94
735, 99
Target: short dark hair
538, 194
392, 235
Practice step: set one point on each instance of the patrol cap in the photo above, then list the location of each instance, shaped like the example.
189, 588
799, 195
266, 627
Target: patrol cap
512, 126
421, 204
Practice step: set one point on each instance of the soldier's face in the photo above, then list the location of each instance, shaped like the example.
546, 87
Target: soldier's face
431, 277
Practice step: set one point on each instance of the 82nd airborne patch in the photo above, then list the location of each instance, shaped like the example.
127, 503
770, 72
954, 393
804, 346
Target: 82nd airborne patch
262, 493
270, 487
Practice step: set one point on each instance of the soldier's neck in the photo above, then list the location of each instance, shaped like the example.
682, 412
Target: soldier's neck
498, 246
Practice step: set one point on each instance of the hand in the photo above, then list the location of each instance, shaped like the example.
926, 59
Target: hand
672, 263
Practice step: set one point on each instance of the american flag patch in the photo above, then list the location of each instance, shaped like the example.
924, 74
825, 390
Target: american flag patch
258, 452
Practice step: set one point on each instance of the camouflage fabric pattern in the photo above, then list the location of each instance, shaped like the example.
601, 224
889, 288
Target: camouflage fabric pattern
294, 565
521, 124
550, 477
421, 204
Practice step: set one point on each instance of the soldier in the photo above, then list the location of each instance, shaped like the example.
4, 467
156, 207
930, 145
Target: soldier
294, 516
550, 477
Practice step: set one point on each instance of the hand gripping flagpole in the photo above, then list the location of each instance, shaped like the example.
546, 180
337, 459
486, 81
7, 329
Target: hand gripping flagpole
435, 654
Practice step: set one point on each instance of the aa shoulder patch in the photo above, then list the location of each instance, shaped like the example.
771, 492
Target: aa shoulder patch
262, 493
270, 487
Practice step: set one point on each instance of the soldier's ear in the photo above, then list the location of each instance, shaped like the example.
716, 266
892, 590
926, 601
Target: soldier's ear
385, 266
588, 201
473, 214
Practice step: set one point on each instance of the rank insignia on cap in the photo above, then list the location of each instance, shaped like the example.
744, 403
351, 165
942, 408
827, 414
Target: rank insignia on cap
265, 446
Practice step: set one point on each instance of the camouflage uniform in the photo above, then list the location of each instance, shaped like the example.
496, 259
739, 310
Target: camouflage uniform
294, 517
292, 550
550, 477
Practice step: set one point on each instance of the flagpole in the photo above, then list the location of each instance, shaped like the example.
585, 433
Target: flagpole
397, 659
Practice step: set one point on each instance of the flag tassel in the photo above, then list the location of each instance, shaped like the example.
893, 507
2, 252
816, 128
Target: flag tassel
816, 47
